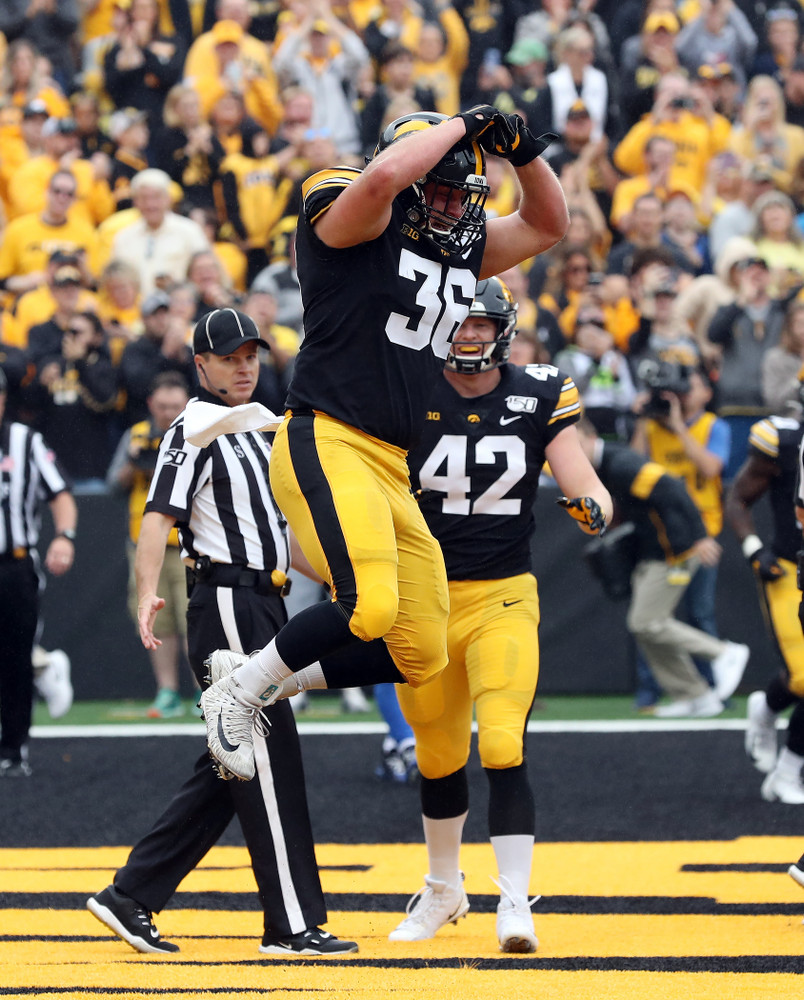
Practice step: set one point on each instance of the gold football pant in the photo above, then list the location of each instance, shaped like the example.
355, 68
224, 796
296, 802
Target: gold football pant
346, 496
780, 600
493, 650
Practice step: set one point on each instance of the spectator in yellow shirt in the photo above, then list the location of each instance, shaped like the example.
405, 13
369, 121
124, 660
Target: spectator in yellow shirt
442, 55
764, 133
662, 178
27, 188
21, 82
39, 304
228, 58
698, 133
30, 239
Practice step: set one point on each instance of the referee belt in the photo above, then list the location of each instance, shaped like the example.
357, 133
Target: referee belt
224, 575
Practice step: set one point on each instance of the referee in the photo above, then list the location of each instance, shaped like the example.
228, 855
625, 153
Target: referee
29, 474
237, 552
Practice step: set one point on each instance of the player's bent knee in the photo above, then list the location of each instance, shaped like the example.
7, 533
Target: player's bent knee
499, 748
375, 613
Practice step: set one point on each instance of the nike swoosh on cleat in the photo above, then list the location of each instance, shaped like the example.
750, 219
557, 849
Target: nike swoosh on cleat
224, 742
509, 420
507, 604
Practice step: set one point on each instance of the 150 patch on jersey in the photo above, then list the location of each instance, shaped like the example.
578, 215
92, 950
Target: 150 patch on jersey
175, 456
521, 404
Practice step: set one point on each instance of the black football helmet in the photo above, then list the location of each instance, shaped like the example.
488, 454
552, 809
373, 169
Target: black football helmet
493, 300
428, 201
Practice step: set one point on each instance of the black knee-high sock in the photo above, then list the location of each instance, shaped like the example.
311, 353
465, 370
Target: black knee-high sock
511, 806
778, 695
795, 730
314, 633
359, 664
443, 798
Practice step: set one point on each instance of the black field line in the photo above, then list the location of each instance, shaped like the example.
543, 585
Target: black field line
744, 964
393, 902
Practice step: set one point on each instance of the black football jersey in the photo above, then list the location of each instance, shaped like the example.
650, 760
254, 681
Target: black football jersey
478, 464
777, 439
378, 318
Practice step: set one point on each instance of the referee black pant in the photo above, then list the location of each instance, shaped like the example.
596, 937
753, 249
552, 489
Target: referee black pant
19, 605
271, 808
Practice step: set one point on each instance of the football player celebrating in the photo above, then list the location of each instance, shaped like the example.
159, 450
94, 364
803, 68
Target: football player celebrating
388, 259
490, 426
771, 468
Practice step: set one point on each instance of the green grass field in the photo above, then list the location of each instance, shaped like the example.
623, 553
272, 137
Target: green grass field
327, 708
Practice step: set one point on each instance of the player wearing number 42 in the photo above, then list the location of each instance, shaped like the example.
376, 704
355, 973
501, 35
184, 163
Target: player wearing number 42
388, 260
489, 429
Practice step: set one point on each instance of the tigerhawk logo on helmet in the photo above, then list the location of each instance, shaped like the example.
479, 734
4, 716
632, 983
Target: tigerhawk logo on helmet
446, 205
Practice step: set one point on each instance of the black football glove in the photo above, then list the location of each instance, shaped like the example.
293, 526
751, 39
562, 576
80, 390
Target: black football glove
518, 144
478, 119
586, 512
764, 564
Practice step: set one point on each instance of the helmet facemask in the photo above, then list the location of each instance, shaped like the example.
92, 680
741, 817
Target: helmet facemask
432, 203
450, 198
493, 301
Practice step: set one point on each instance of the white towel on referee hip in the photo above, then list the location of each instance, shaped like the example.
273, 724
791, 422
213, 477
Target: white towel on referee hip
203, 422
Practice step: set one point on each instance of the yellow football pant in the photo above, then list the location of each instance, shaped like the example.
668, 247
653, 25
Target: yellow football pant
493, 649
346, 496
780, 600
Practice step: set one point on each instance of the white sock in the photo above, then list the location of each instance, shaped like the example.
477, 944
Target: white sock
789, 763
311, 678
443, 837
263, 672
514, 854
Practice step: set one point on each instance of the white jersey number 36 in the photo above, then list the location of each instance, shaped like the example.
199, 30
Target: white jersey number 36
444, 309
444, 471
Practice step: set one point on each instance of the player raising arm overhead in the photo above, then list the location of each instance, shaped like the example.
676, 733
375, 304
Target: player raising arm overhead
388, 259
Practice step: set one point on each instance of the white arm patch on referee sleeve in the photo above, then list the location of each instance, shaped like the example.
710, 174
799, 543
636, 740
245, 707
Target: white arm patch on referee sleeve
203, 422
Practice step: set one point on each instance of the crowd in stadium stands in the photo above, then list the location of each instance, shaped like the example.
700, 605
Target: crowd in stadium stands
152, 154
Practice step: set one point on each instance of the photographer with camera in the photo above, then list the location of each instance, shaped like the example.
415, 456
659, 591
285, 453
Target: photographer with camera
679, 433
680, 114
131, 471
670, 543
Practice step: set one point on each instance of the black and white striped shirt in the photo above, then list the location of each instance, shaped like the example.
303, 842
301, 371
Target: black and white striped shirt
29, 475
220, 498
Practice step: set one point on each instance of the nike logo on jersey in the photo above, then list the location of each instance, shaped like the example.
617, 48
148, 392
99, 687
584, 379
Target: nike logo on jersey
509, 420
508, 604
230, 747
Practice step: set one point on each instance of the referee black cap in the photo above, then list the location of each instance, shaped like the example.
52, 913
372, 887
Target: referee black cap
223, 331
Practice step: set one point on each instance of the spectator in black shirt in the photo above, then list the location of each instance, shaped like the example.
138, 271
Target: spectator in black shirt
161, 348
79, 391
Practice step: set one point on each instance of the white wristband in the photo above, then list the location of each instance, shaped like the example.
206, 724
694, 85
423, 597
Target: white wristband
751, 545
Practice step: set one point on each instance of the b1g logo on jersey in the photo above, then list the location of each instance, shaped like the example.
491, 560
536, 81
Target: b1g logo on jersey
521, 404
175, 456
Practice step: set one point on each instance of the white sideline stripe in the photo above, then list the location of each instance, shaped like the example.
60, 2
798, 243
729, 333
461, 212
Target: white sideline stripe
379, 728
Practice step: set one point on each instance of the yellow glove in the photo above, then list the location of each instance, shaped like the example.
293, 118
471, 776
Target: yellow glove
586, 512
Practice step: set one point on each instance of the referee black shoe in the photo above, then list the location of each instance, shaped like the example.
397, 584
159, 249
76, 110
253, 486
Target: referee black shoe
128, 920
313, 941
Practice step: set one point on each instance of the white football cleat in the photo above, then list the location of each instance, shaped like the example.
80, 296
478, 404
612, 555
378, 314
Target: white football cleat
230, 724
515, 921
728, 669
705, 706
52, 681
434, 906
760, 733
783, 787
